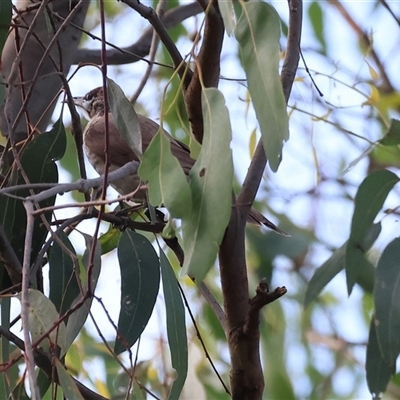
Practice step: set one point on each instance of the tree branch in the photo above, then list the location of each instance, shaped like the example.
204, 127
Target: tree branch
149, 14
207, 68
141, 47
247, 380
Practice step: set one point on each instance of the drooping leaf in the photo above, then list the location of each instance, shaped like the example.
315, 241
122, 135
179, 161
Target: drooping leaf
258, 32
210, 181
336, 263
5, 22
368, 201
5, 308
64, 287
140, 280
67, 383
37, 161
228, 15
377, 368
42, 317
317, 22
125, 117
77, 319
392, 136
387, 301
168, 184
176, 328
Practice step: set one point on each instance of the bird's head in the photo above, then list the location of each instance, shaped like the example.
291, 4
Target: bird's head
92, 104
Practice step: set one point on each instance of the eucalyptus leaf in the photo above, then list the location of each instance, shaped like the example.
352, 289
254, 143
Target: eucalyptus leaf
228, 15
78, 318
392, 136
5, 22
387, 300
140, 280
43, 316
63, 272
67, 383
317, 22
368, 202
167, 181
336, 263
176, 328
258, 33
38, 162
125, 117
378, 370
210, 180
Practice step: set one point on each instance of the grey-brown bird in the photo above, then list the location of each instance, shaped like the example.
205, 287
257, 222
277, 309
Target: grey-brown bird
120, 153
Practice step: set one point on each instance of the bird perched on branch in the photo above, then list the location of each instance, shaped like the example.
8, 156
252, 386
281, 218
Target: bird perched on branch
120, 153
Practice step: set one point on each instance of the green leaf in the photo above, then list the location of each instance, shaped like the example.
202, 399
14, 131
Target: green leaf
67, 383
387, 300
167, 182
109, 240
377, 368
63, 271
210, 180
77, 319
5, 307
258, 32
336, 263
37, 161
392, 136
5, 22
176, 328
316, 18
228, 15
369, 200
125, 117
42, 317
140, 281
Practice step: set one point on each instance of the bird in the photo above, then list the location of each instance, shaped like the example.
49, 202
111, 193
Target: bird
93, 109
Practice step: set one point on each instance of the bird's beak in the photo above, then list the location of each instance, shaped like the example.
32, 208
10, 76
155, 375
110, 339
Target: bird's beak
78, 101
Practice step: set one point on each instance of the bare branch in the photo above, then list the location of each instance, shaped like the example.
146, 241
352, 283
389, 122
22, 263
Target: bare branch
29, 359
149, 14
207, 68
141, 47
262, 298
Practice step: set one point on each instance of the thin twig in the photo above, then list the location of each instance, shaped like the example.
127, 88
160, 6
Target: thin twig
201, 340
136, 51
29, 359
149, 14
160, 9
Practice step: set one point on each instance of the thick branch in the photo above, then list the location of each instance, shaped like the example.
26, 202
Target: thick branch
141, 47
207, 68
262, 298
149, 14
247, 381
